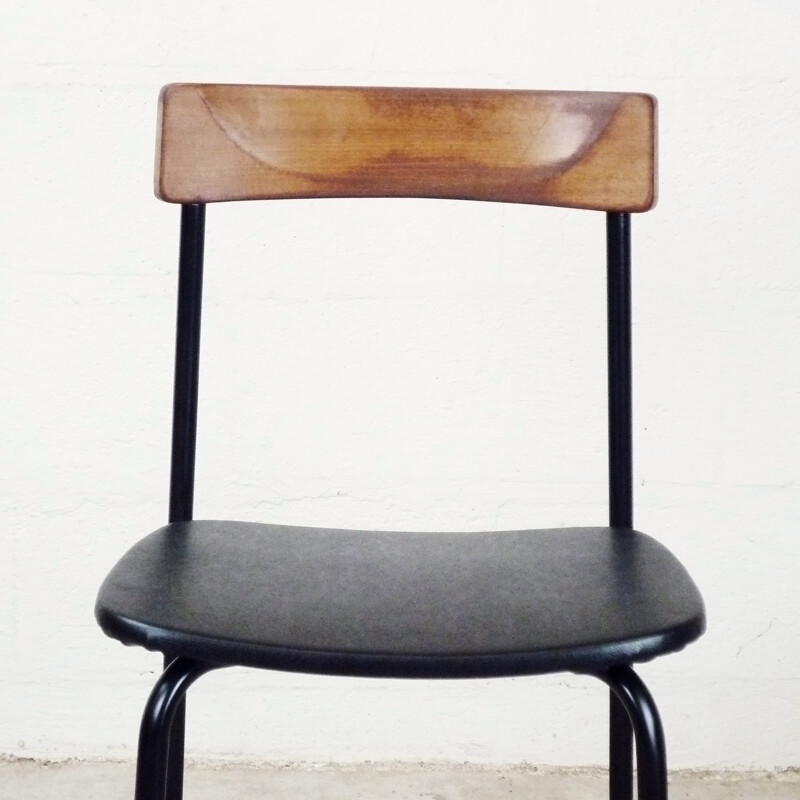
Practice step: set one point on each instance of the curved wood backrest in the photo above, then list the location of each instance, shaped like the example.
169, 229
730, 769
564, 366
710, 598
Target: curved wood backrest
578, 149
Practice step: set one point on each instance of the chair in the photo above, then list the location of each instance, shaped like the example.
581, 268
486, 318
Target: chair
209, 594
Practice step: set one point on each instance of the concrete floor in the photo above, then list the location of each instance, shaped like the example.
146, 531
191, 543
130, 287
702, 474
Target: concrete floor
113, 781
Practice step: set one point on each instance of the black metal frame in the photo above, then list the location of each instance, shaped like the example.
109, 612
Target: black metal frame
620, 459
187, 362
633, 713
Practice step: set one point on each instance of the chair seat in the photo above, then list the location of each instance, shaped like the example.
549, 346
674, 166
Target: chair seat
401, 604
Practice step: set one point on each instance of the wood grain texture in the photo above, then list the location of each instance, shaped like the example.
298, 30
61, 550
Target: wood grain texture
593, 150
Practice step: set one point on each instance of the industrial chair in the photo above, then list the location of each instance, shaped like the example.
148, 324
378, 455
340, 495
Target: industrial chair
210, 594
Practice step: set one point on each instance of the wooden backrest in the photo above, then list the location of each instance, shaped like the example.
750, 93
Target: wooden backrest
593, 150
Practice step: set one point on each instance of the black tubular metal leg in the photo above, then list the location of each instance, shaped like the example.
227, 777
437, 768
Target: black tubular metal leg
154, 734
620, 751
174, 790
620, 458
184, 424
651, 754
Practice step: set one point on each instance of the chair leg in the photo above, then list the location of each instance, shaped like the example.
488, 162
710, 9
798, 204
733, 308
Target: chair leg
174, 790
174, 787
154, 734
651, 757
620, 751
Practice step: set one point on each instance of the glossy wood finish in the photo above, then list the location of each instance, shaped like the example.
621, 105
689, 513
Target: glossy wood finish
577, 149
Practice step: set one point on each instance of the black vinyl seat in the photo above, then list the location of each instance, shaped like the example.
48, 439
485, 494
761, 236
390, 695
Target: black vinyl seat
211, 594
401, 604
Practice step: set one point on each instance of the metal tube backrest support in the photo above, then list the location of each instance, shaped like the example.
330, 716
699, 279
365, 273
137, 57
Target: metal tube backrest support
187, 358
620, 455
187, 355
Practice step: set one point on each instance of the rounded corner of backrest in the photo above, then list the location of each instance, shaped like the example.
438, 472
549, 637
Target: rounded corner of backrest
648, 202
167, 89
652, 200
162, 191
650, 101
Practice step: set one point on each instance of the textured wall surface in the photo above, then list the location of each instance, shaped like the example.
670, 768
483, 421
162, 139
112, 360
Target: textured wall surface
401, 364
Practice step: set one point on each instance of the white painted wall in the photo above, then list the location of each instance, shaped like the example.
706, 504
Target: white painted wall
450, 335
